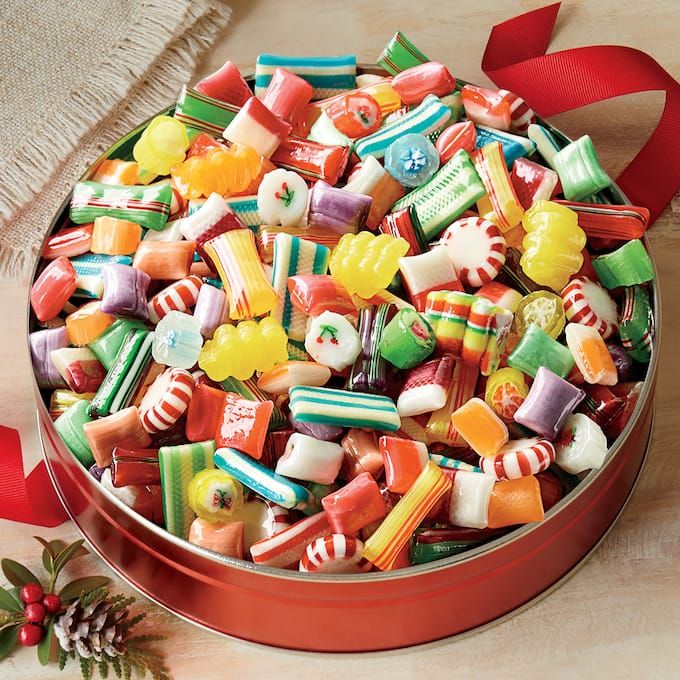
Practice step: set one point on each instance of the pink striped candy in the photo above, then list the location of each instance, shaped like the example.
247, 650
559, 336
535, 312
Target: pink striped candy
521, 116
178, 296
335, 554
476, 248
519, 458
589, 304
166, 400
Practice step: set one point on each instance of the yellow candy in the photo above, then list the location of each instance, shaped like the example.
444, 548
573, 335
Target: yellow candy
162, 145
543, 308
553, 244
505, 392
366, 264
214, 495
239, 351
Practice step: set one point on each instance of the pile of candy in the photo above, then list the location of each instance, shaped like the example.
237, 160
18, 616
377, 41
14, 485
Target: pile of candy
352, 322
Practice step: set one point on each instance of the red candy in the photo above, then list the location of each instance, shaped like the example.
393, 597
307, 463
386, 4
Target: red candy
205, 410
404, 461
312, 160
415, 83
355, 115
69, 242
354, 506
226, 84
287, 95
454, 138
53, 288
486, 107
243, 425
315, 293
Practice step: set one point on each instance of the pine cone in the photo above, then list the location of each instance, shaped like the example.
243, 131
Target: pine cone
92, 630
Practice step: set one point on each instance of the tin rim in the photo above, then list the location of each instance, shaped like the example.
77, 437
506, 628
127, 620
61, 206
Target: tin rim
416, 570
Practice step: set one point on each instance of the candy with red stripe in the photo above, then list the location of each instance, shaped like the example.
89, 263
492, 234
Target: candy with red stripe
476, 248
166, 400
520, 458
335, 554
178, 297
589, 304
521, 116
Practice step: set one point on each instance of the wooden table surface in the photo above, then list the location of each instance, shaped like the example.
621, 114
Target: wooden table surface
620, 614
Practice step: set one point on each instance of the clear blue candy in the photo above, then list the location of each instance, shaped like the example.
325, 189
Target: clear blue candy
178, 340
411, 160
514, 146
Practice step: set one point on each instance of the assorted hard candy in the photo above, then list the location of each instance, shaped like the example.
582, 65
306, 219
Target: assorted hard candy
345, 324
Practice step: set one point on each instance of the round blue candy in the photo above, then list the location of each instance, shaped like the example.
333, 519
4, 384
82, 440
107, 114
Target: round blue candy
411, 160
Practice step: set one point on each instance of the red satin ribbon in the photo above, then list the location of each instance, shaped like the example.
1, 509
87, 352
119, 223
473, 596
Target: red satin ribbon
31, 500
515, 59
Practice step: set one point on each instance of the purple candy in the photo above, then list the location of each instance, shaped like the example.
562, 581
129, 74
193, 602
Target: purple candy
327, 433
42, 343
549, 402
625, 368
97, 472
337, 209
125, 291
210, 308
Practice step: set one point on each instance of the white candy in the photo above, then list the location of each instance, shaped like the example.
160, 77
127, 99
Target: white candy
470, 496
582, 445
282, 198
310, 459
332, 341
209, 214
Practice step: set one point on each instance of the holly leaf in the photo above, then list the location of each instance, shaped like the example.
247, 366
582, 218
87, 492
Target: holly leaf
69, 553
46, 644
82, 586
17, 574
7, 602
8, 639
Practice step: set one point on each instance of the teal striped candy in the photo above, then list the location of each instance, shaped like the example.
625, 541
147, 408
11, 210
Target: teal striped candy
328, 76
178, 465
148, 206
293, 256
343, 408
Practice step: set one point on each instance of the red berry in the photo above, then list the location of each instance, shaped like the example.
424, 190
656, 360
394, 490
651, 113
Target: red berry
30, 634
34, 612
319, 339
52, 603
32, 592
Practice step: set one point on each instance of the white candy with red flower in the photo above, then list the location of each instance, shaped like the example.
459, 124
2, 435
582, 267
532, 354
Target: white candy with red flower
282, 198
331, 340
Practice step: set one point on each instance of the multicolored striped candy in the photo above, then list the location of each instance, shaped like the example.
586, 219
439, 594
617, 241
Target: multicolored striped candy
177, 297
401, 225
147, 206
514, 147
384, 545
89, 269
267, 233
519, 458
335, 554
476, 248
447, 312
294, 256
452, 463
178, 466
327, 75
587, 303
426, 387
245, 208
201, 112
166, 400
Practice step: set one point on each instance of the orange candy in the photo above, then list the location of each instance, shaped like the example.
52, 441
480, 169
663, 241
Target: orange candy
480, 427
169, 261
223, 171
515, 501
113, 236
591, 354
87, 323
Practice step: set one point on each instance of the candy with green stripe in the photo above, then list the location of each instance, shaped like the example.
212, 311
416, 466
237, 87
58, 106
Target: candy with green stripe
399, 54
204, 113
343, 408
293, 256
148, 206
178, 465
452, 190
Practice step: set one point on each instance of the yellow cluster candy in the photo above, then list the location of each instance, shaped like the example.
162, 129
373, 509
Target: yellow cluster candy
553, 244
163, 144
366, 264
239, 351
222, 171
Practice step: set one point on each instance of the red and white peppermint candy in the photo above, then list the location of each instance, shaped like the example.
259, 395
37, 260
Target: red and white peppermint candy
178, 296
166, 400
521, 116
476, 248
588, 303
335, 554
520, 458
